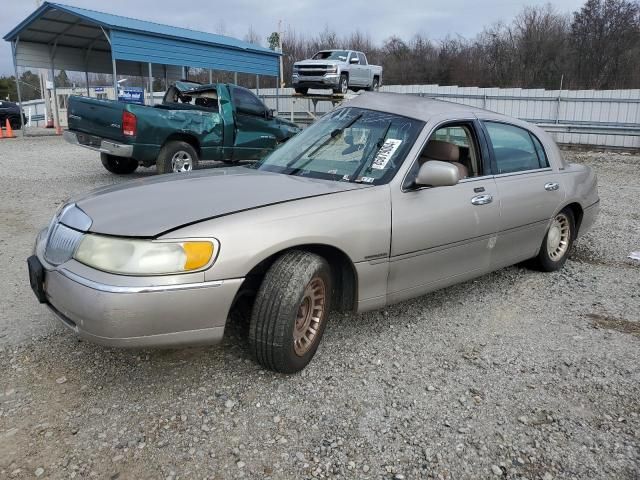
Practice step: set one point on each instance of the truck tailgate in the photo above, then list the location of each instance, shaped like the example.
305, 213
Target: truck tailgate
102, 118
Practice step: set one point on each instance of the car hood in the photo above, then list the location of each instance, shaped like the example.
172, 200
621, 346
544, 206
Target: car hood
157, 205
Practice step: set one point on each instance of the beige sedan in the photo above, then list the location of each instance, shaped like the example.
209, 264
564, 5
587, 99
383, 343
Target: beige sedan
386, 198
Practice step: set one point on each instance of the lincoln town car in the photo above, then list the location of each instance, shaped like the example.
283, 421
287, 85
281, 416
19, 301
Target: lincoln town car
386, 198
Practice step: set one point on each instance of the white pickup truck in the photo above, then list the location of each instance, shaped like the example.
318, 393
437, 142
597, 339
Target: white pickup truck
339, 70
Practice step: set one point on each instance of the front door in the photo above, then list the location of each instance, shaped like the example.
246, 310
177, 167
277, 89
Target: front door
443, 235
530, 192
254, 133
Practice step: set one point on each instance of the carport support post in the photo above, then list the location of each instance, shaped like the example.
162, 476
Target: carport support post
14, 48
86, 79
278, 93
55, 92
210, 76
115, 76
235, 78
150, 85
257, 84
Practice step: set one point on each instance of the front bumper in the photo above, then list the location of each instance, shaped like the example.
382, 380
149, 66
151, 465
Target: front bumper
328, 80
139, 315
99, 144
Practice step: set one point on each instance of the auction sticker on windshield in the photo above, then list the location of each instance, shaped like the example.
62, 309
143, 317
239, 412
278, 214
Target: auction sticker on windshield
385, 153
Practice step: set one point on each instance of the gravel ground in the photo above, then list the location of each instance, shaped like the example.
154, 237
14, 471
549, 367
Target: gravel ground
518, 374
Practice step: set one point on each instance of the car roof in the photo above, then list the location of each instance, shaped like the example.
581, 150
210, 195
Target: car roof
414, 106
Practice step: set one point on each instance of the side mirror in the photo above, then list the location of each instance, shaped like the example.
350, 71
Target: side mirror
354, 60
268, 113
434, 173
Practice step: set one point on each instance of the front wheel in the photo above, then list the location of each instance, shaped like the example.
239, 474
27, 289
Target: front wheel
290, 311
118, 165
343, 86
177, 157
557, 243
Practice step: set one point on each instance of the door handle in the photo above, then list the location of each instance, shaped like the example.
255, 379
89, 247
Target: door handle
551, 186
482, 199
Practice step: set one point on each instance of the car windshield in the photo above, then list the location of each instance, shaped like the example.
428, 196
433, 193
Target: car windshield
331, 55
350, 145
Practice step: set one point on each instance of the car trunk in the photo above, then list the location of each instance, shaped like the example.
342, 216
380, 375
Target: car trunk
102, 118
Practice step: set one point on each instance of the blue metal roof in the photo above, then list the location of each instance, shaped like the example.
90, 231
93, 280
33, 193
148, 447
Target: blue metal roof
141, 41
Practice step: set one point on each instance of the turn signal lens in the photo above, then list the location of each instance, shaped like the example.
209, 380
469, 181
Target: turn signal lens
198, 254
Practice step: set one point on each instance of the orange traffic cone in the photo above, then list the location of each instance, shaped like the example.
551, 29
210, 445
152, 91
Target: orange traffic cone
0, 131
9, 129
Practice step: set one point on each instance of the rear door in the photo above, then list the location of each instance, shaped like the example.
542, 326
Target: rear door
254, 133
529, 190
102, 118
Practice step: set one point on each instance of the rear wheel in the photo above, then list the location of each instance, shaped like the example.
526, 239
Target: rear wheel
118, 165
557, 243
375, 85
15, 123
302, 91
290, 311
177, 157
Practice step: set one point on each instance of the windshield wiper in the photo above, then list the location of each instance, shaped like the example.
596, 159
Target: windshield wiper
334, 133
379, 144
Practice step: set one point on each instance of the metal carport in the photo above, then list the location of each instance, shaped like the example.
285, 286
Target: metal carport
60, 37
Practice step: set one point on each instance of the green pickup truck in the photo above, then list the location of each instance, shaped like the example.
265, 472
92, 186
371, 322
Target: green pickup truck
194, 122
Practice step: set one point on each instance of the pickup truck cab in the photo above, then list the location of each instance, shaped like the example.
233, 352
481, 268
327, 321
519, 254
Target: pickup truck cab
339, 70
194, 122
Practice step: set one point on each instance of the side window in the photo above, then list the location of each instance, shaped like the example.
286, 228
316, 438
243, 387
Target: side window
363, 59
247, 102
542, 156
455, 142
462, 136
513, 148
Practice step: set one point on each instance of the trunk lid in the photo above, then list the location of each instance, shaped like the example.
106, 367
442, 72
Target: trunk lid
102, 118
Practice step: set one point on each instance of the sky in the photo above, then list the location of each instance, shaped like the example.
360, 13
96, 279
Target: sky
378, 18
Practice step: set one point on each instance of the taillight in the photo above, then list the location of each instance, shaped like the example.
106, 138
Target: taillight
129, 124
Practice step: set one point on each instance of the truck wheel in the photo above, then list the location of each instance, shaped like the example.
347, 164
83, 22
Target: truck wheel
177, 157
302, 91
556, 244
290, 311
118, 165
343, 86
375, 85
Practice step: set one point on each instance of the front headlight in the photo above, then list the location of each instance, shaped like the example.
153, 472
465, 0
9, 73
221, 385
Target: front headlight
144, 257
332, 69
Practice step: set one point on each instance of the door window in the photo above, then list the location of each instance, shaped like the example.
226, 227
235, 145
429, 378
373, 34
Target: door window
514, 148
363, 59
247, 102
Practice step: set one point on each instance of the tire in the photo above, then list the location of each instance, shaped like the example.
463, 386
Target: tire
302, 91
15, 123
375, 85
177, 157
297, 284
118, 165
343, 86
557, 243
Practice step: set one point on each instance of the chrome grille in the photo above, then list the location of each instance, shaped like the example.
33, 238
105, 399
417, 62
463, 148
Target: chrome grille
61, 244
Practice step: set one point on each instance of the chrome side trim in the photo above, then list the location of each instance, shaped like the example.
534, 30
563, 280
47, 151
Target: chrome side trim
141, 289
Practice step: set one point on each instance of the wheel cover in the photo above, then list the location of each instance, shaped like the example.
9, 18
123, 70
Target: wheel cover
310, 316
181, 162
558, 237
